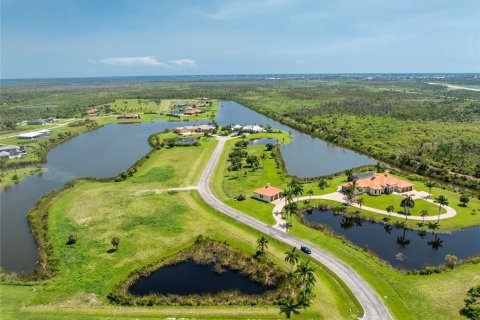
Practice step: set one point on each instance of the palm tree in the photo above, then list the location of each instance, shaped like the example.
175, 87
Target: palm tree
262, 244
305, 273
430, 184
295, 187
407, 204
423, 213
442, 201
291, 257
360, 202
349, 174
310, 193
348, 191
291, 209
390, 209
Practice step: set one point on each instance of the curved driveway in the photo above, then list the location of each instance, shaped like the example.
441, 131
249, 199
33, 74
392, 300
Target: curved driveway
372, 305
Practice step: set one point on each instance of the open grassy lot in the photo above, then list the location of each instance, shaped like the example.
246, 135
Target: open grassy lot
408, 297
151, 224
7, 176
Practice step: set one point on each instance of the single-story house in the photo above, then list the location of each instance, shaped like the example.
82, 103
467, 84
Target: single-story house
201, 105
252, 129
128, 116
37, 122
34, 134
268, 193
193, 129
193, 111
378, 183
91, 112
12, 152
201, 98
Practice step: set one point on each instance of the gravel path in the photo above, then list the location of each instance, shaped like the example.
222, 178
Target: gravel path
372, 305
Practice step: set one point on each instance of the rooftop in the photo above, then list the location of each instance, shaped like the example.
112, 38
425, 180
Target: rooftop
268, 191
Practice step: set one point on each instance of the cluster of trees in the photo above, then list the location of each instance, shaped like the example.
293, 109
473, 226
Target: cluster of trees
303, 276
239, 154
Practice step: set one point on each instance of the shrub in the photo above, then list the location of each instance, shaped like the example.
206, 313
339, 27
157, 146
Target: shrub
72, 239
240, 197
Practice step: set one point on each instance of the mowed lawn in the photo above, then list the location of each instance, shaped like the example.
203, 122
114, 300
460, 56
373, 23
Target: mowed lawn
385, 200
233, 183
151, 224
437, 296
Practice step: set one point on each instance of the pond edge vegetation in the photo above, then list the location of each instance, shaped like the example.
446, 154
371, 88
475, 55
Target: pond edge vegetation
205, 251
451, 262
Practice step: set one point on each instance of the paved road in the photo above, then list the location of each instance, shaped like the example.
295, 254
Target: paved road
372, 305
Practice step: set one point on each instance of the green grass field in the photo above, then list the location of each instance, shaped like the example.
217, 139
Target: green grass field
407, 296
384, 200
151, 224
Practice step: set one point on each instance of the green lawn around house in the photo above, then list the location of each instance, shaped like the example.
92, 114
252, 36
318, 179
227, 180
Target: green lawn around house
384, 200
151, 224
438, 296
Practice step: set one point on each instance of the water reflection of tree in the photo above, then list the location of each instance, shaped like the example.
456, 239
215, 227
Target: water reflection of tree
347, 223
422, 233
436, 243
402, 240
388, 228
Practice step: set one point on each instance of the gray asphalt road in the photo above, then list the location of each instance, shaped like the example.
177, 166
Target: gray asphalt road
372, 305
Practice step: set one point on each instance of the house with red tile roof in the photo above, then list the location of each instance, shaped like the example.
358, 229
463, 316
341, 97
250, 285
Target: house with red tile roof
193, 111
379, 183
91, 112
268, 193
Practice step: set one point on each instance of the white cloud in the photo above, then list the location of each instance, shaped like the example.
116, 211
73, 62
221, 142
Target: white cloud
133, 61
91, 61
183, 63
147, 61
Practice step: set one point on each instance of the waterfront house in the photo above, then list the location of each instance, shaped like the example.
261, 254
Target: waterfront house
268, 193
34, 134
378, 183
193, 112
128, 116
12, 152
195, 129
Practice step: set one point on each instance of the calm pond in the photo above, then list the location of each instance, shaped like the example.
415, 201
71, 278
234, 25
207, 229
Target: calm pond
191, 278
402, 248
262, 141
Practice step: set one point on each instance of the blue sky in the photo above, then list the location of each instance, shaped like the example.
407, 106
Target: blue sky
67, 38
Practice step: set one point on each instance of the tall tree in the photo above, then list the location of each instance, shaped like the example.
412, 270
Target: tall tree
423, 213
360, 202
442, 201
305, 274
291, 257
390, 209
262, 244
407, 203
430, 184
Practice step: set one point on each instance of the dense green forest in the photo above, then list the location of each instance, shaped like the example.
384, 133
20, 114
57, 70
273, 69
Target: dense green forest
404, 121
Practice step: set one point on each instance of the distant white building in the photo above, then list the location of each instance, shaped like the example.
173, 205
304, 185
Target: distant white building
249, 128
35, 134
253, 129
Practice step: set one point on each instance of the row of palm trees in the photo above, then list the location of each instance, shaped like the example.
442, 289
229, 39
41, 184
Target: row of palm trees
408, 203
294, 190
304, 273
